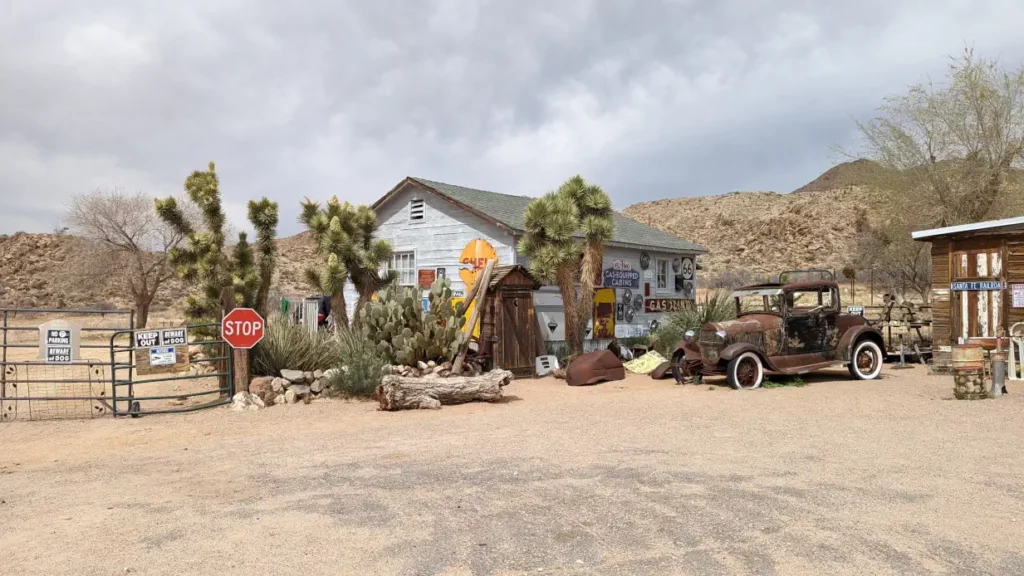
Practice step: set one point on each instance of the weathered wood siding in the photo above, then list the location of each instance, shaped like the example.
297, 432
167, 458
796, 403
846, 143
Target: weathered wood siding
940, 298
1014, 271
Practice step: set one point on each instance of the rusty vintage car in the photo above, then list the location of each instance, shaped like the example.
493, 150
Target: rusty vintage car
791, 327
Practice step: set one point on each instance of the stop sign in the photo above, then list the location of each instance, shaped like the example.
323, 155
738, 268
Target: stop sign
242, 328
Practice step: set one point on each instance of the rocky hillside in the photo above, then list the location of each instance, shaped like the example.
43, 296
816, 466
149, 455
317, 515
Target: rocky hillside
52, 271
761, 233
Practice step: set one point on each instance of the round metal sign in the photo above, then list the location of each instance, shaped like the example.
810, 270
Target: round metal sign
687, 268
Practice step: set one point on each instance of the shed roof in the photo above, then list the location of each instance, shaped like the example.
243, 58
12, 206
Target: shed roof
995, 226
508, 211
500, 272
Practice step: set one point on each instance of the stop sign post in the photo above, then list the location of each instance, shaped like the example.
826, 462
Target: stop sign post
242, 328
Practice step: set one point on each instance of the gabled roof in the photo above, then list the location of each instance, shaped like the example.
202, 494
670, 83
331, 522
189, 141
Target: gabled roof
508, 211
1005, 225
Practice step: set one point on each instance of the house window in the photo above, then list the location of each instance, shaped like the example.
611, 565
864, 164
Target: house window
416, 210
405, 264
661, 268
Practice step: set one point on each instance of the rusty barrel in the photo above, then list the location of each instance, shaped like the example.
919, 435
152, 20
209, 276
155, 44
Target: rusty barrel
969, 372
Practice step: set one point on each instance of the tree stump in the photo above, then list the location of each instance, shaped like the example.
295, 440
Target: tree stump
430, 392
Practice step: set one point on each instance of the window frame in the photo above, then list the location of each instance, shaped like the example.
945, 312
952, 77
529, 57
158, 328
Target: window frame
412, 271
669, 285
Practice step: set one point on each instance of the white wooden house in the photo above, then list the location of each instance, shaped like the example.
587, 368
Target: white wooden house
441, 229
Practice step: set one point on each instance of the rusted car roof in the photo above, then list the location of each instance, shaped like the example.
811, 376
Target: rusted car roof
792, 285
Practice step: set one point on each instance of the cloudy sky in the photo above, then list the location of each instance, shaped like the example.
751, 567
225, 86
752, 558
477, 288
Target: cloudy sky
650, 99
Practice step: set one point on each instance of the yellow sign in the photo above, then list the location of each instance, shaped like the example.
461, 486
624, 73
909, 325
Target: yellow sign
469, 313
604, 313
475, 255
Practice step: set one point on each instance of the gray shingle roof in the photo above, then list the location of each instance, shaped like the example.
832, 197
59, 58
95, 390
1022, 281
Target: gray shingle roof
509, 210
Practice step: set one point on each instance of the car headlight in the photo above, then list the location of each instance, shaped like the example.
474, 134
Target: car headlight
688, 335
721, 334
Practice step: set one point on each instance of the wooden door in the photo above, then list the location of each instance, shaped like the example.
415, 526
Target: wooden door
514, 350
977, 309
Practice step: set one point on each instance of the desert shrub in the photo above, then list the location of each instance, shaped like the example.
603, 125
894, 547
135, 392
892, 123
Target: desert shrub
667, 335
560, 349
358, 367
292, 346
404, 334
731, 279
716, 306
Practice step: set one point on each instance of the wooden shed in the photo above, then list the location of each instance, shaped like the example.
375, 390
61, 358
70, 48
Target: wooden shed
977, 282
508, 325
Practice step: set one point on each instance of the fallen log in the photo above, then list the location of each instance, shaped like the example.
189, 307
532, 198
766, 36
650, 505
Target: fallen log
406, 393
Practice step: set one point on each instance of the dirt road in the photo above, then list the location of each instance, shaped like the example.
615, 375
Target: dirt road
634, 477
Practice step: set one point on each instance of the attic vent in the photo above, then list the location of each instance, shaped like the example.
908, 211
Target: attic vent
416, 210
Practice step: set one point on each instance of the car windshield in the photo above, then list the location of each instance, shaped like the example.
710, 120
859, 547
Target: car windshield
753, 301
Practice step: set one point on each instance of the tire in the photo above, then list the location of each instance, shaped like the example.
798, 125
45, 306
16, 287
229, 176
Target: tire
866, 361
745, 372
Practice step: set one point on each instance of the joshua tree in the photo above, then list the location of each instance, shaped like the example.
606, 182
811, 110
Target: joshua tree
564, 239
227, 281
344, 239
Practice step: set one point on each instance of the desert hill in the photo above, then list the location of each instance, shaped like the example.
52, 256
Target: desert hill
761, 233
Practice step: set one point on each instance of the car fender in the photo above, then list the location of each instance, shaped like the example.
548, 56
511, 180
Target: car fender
689, 350
844, 350
733, 350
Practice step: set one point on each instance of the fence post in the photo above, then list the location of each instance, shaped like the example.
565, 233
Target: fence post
3, 369
240, 371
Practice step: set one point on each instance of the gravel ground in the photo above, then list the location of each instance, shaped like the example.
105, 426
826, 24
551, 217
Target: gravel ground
633, 477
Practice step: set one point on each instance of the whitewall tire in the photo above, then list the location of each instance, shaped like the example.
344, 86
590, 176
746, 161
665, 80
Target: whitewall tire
866, 360
745, 372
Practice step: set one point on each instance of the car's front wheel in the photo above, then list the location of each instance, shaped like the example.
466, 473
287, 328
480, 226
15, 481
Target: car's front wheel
745, 372
866, 362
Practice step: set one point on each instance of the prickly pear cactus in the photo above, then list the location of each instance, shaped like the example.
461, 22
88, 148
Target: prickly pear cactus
404, 333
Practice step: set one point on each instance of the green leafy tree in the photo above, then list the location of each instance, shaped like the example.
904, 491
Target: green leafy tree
227, 278
948, 153
564, 238
345, 240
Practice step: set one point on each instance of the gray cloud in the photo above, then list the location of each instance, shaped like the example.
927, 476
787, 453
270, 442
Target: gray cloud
649, 99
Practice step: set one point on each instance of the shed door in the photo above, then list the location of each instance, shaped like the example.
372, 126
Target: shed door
518, 332
977, 313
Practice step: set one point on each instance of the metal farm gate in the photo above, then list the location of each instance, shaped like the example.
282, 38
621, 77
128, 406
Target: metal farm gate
42, 379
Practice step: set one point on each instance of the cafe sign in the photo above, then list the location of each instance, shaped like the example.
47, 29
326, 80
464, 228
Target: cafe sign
664, 304
621, 278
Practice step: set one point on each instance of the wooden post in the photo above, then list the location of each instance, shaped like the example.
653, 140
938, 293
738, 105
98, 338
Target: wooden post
479, 292
240, 382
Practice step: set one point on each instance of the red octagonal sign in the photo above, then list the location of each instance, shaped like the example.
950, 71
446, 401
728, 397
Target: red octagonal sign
242, 328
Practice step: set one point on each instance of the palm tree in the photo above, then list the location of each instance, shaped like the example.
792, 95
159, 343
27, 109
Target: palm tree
554, 226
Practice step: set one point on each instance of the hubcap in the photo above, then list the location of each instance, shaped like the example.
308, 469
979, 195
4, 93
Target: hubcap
866, 361
746, 373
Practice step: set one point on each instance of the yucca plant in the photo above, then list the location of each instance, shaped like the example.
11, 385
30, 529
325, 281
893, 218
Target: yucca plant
716, 306
293, 347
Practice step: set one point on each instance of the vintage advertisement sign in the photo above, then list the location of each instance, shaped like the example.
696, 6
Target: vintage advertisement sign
1018, 296
425, 277
664, 304
473, 259
978, 286
621, 278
